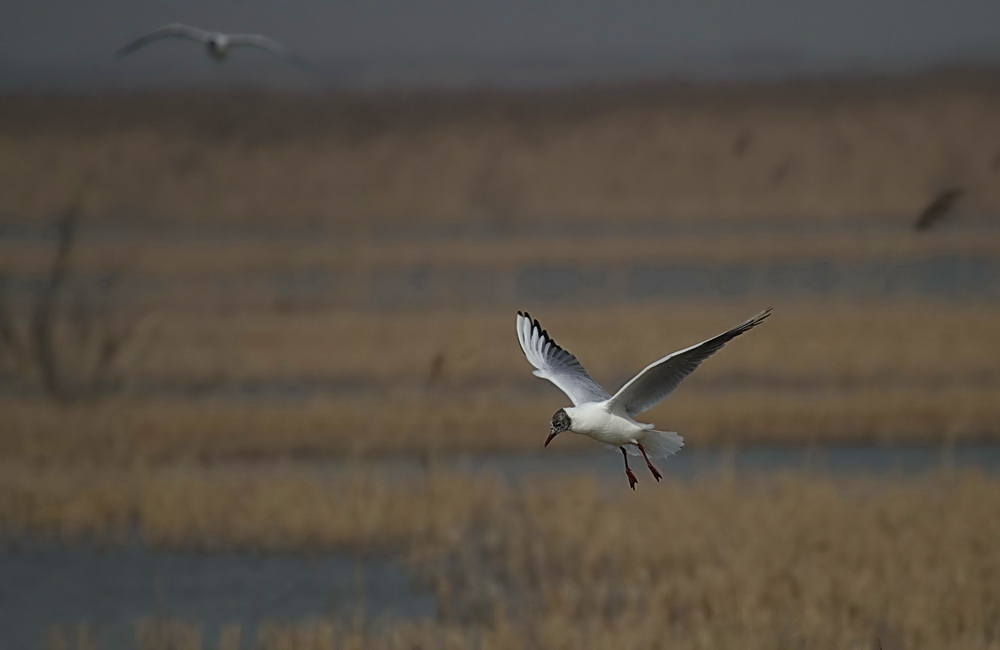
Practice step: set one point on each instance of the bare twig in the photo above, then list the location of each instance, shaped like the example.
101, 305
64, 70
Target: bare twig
44, 313
73, 349
11, 344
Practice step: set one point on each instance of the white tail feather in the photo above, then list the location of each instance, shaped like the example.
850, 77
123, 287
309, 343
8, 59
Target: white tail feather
658, 444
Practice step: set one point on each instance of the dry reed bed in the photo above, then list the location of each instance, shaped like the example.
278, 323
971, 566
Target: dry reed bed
818, 152
724, 562
831, 373
836, 341
321, 634
121, 432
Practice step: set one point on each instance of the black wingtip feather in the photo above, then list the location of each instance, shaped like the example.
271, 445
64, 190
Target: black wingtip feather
544, 334
754, 322
535, 325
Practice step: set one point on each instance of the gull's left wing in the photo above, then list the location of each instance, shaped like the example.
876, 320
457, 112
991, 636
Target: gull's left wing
659, 379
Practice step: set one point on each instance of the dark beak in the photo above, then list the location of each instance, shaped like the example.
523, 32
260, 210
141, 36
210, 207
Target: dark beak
551, 436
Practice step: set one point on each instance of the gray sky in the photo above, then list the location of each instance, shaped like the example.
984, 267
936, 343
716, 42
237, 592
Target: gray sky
52, 45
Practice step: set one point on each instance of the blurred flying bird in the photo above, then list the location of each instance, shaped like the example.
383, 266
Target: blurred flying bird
437, 369
607, 418
217, 43
942, 204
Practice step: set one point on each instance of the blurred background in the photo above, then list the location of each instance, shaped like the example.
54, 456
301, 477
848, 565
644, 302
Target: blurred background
259, 382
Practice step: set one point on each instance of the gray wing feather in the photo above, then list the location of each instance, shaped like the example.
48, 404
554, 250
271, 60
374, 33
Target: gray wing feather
659, 379
265, 43
175, 30
556, 364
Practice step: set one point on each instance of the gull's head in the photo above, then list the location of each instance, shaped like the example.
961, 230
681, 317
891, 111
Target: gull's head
560, 423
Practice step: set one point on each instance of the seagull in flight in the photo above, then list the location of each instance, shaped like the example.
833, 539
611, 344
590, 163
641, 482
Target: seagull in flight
607, 418
217, 43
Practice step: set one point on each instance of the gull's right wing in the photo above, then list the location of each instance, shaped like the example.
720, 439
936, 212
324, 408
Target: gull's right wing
556, 364
175, 30
271, 45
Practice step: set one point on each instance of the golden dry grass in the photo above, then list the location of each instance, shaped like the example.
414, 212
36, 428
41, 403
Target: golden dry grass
812, 373
120, 432
724, 562
836, 340
821, 151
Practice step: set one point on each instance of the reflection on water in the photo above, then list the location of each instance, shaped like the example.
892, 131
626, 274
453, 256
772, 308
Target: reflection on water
943, 276
167, 229
425, 286
835, 461
694, 463
112, 590
939, 276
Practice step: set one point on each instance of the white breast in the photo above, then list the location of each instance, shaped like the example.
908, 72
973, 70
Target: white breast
596, 421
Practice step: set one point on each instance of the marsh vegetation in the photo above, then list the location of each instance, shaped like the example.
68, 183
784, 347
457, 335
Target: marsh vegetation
334, 281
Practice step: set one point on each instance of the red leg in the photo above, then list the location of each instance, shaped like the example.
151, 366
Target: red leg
628, 471
656, 473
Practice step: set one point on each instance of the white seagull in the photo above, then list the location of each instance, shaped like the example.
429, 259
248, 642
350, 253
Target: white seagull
217, 43
606, 418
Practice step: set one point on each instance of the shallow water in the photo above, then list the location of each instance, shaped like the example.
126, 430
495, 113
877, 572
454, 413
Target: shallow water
136, 229
944, 277
606, 465
873, 460
940, 276
113, 589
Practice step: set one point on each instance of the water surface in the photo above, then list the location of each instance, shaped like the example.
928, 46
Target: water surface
42, 585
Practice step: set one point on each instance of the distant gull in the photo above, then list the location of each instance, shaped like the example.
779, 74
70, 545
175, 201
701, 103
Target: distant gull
942, 204
609, 419
217, 43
